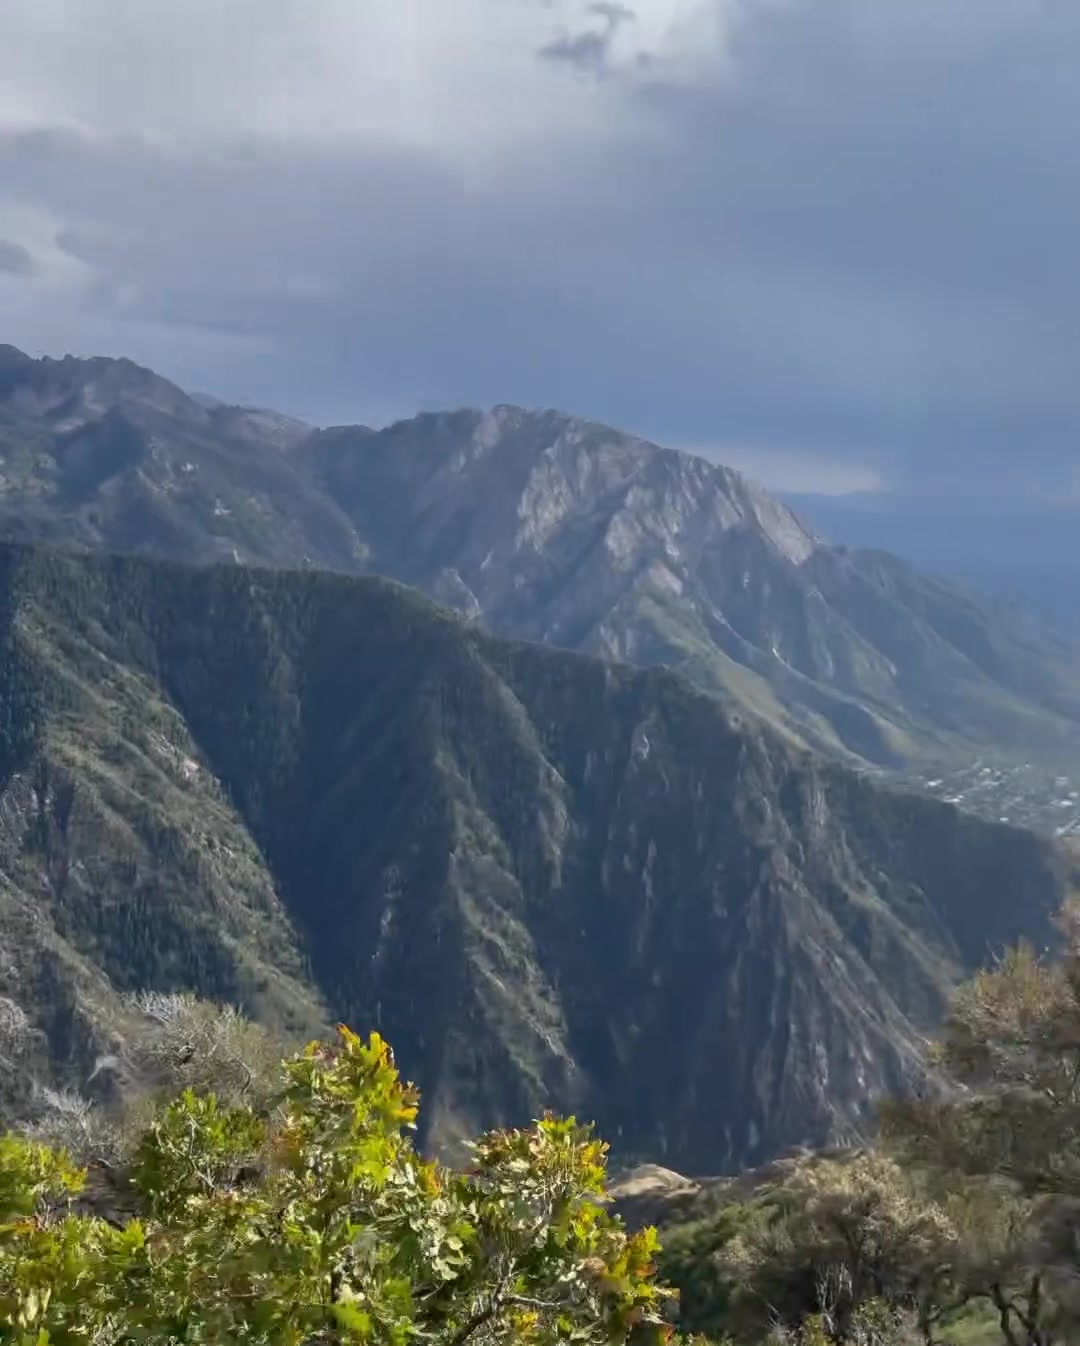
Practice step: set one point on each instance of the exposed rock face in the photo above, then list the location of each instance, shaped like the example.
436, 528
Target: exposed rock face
549, 881
568, 532
543, 526
103, 454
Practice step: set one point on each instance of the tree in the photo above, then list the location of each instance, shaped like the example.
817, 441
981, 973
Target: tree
1010, 1049
844, 1245
173, 1042
315, 1221
188, 1043
1005, 1135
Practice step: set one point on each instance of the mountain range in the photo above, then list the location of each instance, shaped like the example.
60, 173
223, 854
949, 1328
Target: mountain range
243, 753
547, 528
549, 880
1024, 551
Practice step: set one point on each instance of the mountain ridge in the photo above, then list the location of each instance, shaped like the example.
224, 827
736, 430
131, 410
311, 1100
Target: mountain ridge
549, 880
546, 527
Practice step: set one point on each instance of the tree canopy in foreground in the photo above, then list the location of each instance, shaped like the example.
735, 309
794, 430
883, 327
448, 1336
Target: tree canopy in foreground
314, 1220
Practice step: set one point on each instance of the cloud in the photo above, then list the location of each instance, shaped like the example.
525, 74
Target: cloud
417, 72
591, 48
797, 473
612, 14
15, 260
587, 50
844, 228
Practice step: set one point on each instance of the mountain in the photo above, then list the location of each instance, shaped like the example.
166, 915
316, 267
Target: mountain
101, 453
554, 529
548, 528
547, 879
1025, 550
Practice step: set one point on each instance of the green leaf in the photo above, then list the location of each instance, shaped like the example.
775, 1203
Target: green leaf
353, 1319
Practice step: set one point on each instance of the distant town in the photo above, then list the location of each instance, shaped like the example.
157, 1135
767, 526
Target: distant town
1022, 794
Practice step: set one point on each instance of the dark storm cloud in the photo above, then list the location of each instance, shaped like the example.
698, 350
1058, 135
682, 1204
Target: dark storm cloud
15, 260
590, 48
855, 240
587, 51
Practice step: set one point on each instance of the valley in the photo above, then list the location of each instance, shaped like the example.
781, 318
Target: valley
611, 830
539, 673
549, 880
578, 769
1021, 794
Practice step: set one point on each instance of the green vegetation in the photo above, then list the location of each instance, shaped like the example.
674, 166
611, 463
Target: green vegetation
221, 1201
959, 1227
322, 798
312, 1219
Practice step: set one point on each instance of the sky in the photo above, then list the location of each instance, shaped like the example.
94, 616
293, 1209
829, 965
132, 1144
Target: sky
833, 242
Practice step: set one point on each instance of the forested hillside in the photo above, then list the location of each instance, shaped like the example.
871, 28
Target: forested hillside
549, 880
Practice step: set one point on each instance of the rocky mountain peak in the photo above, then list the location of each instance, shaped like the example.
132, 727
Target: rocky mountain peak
71, 392
548, 527
543, 474
556, 528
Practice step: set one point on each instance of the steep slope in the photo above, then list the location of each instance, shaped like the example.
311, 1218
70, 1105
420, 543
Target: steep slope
102, 453
552, 529
122, 863
1025, 551
555, 529
548, 880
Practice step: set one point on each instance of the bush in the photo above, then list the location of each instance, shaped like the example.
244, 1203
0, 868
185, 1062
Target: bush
314, 1220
